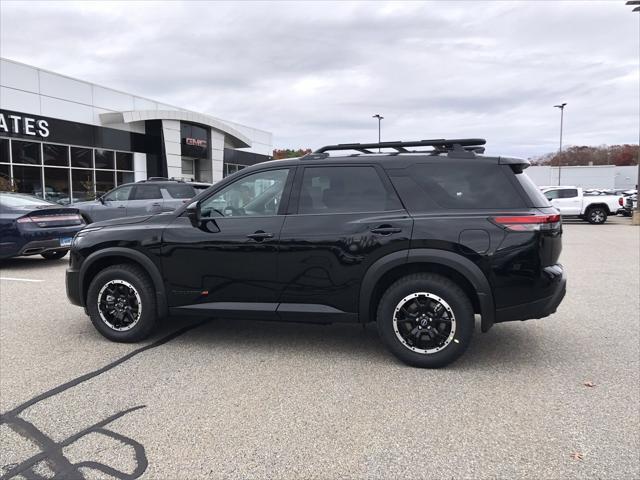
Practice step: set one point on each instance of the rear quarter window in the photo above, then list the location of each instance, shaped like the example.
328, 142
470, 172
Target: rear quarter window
533, 192
467, 185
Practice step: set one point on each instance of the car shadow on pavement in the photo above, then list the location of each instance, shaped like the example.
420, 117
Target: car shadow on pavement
350, 341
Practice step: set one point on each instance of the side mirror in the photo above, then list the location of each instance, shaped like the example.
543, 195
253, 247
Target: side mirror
101, 199
193, 212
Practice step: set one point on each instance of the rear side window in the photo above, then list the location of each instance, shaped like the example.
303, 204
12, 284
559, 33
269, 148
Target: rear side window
535, 195
147, 192
568, 193
467, 185
342, 189
178, 191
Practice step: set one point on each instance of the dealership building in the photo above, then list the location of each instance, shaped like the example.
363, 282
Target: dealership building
63, 138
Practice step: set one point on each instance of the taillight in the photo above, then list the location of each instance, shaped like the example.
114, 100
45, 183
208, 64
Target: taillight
528, 223
620, 202
24, 220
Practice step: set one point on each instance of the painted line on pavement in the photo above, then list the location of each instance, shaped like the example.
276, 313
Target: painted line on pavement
13, 279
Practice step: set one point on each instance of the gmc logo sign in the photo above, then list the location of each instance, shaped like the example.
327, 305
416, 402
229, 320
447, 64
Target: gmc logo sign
195, 142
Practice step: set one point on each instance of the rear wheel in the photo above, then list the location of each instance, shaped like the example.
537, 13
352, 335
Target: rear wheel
426, 320
54, 254
121, 303
596, 215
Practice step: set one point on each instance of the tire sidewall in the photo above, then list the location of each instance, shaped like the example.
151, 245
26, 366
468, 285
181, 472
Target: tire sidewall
450, 293
592, 211
147, 319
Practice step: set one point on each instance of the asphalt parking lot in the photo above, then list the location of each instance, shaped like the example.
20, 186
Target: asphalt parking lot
230, 399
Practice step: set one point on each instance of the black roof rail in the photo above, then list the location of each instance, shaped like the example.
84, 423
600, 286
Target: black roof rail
440, 145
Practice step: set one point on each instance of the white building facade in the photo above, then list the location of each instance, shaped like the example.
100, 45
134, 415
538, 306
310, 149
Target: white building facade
67, 139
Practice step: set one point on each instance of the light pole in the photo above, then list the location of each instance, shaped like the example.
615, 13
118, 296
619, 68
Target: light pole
379, 117
561, 107
635, 220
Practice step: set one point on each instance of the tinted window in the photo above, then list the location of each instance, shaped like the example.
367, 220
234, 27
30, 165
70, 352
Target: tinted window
533, 192
551, 194
104, 159
344, 189
25, 152
124, 161
104, 182
28, 180
124, 177
568, 193
120, 194
254, 195
81, 157
56, 184
179, 191
4, 150
55, 155
467, 185
147, 192
82, 184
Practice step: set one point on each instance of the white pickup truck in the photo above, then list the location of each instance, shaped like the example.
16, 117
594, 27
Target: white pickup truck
572, 202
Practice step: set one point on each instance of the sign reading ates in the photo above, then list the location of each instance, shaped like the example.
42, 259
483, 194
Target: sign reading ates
22, 125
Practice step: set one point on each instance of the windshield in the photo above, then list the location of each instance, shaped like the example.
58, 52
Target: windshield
17, 200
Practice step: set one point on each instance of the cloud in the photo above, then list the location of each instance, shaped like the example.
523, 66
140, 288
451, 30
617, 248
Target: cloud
314, 73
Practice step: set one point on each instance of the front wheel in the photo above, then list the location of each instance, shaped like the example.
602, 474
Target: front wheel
596, 215
54, 254
426, 320
121, 303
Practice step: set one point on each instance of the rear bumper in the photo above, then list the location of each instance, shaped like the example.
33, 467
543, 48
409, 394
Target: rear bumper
38, 246
72, 283
539, 308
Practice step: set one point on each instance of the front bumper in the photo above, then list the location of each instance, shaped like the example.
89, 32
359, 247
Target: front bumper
539, 308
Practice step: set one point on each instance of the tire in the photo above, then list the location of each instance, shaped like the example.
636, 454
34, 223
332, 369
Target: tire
128, 282
596, 215
54, 254
440, 290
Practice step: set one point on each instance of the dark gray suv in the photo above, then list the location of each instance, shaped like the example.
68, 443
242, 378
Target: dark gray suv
146, 197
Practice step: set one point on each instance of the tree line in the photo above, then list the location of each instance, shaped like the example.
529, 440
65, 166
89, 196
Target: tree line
619, 155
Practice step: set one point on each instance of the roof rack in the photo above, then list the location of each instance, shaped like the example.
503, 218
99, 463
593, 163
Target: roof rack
160, 179
441, 145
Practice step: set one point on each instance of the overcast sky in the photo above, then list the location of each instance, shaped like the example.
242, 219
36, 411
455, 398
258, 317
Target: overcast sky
315, 73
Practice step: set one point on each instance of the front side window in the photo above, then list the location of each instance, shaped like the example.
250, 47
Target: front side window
120, 194
341, 189
254, 195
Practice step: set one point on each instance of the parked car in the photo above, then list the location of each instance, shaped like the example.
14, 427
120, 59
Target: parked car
417, 242
144, 197
572, 202
31, 226
630, 203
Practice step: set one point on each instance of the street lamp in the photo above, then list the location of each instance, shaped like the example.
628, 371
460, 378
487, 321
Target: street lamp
561, 107
636, 213
379, 117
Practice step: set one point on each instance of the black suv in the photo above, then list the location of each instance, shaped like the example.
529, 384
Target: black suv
416, 240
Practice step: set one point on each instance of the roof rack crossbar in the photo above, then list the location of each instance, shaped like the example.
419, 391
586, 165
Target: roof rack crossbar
440, 145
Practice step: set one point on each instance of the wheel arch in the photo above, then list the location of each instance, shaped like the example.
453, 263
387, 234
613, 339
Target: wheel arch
101, 259
601, 205
456, 267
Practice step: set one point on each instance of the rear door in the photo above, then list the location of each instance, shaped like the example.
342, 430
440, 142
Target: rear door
344, 218
146, 200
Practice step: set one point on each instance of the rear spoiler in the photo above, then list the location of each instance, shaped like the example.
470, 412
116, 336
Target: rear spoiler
516, 164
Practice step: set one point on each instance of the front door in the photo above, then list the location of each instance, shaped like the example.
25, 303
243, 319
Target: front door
228, 264
347, 217
112, 205
566, 200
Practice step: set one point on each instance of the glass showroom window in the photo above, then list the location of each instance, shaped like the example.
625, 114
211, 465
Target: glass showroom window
57, 155
231, 168
4, 150
56, 185
105, 181
124, 161
82, 184
104, 159
28, 179
81, 157
26, 152
124, 177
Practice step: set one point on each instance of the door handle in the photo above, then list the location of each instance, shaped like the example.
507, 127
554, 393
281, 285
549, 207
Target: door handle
260, 235
385, 230
155, 205
122, 206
